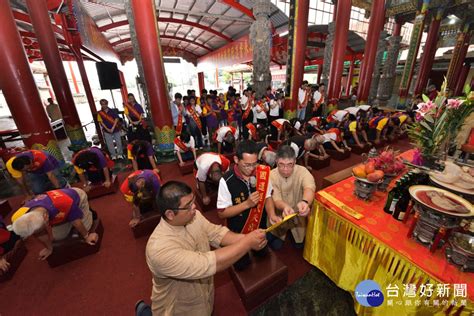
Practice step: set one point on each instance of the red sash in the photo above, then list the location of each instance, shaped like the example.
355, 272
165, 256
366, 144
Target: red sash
261, 106
277, 125
106, 117
252, 130
255, 214
179, 127
336, 131
210, 110
305, 101
194, 116
39, 158
318, 104
135, 113
63, 203
178, 142
248, 109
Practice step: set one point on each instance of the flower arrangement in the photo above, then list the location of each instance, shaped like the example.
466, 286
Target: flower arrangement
437, 123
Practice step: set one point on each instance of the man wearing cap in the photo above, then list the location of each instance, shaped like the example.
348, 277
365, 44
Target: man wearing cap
36, 171
52, 215
209, 168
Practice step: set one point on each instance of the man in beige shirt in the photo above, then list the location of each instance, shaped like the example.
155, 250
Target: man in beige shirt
179, 256
53, 111
293, 191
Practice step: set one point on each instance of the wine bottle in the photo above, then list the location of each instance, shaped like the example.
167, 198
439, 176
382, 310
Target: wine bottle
396, 198
388, 202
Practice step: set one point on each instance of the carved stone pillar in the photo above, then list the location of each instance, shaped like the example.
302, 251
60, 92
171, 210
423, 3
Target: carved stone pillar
381, 47
387, 79
328, 53
260, 39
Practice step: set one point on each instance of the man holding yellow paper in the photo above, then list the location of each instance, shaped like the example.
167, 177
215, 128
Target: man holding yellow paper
293, 192
244, 197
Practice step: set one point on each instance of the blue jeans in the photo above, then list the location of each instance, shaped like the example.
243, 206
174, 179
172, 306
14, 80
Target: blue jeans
40, 183
301, 114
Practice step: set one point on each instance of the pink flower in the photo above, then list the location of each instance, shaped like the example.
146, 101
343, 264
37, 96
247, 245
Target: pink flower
417, 158
454, 103
418, 116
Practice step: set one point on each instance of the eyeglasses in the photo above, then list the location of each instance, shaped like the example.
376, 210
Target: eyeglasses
188, 207
286, 165
249, 165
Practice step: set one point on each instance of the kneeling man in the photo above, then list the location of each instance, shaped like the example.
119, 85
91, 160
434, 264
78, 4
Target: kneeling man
52, 215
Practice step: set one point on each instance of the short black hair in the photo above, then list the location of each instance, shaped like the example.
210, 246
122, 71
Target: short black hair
185, 137
20, 162
139, 147
286, 152
246, 147
203, 91
178, 96
321, 84
130, 95
352, 117
305, 82
50, 100
85, 159
170, 195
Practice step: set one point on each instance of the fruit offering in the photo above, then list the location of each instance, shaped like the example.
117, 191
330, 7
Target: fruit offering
388, 162
368, 171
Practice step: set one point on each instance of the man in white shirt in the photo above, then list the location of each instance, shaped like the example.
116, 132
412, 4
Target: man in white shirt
318, 100
209, 168
303, 99
226, 137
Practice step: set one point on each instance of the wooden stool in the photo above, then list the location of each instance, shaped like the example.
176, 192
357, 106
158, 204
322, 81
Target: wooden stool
263, 278
316, 164
5, 208
15, 258
359, 151
212, 205
336, 155
147, 224
187, 167
74, 247
97, 190
337, 177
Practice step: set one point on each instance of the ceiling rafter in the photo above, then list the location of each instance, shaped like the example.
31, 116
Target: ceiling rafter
107, 27
164, 36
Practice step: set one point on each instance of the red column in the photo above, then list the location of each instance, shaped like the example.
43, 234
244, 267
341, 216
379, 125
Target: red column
201, 81
459, 54
242, 85
88, 91
39, 15
123, 89
458, 90
429, 52
296, 60
19, 88
349, 78
73, 76
320, 72
397, 28
377, 19
217, 78
339, 48
144, 14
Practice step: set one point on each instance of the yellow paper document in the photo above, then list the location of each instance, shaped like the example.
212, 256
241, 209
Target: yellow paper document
279, 223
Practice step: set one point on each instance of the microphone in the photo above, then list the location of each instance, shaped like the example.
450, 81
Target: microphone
253, 182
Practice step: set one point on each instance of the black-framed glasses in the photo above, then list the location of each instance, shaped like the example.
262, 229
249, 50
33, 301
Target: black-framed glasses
187, 207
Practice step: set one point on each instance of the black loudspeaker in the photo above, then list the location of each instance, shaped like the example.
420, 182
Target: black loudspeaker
109, 76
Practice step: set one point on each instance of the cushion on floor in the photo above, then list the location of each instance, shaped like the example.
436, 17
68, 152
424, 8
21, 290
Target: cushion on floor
147, 224
74, 247
187, 167
97, 190
336, 155
359, 151
15, 258
263, 278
